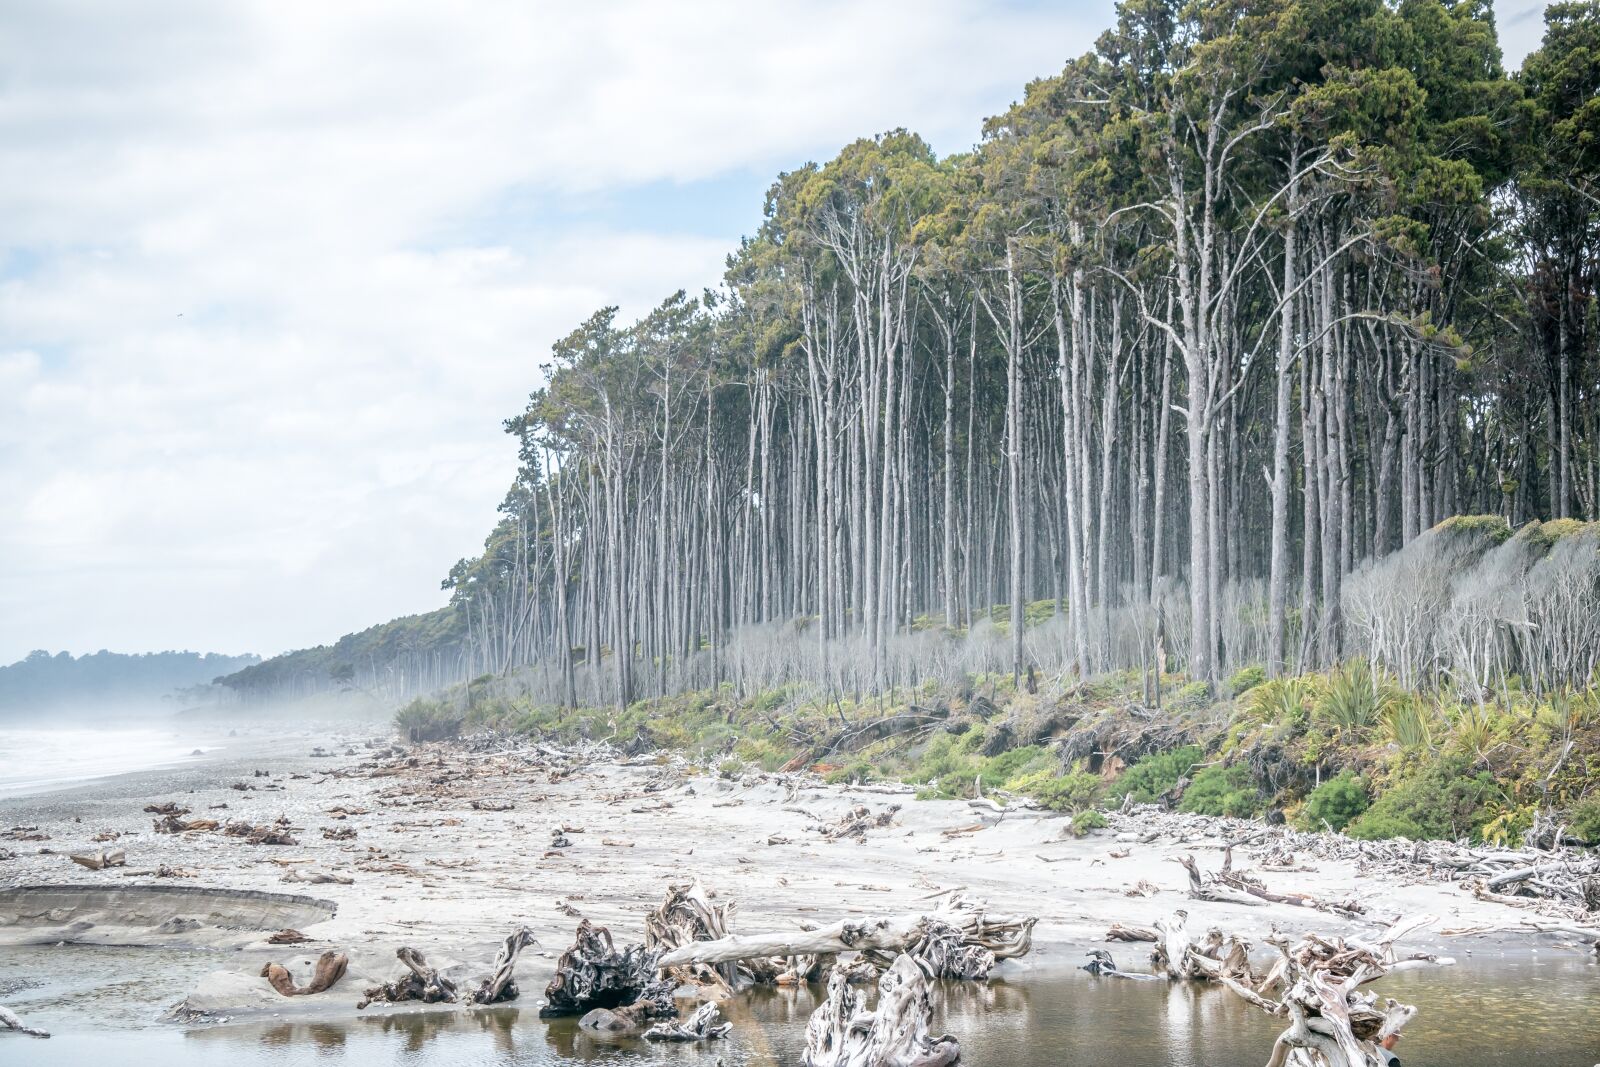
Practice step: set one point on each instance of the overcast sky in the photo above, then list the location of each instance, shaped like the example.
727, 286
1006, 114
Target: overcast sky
272, 274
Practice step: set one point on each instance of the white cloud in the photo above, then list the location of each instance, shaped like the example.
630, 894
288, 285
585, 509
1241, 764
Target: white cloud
254, 353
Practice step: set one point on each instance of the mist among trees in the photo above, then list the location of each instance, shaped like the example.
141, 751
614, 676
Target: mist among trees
110, 680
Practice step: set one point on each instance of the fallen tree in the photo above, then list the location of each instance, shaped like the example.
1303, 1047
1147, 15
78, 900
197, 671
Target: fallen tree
842, 1033
1004, 937
1235, 887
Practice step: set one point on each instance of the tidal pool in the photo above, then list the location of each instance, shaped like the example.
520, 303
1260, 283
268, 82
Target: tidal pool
1481, 1013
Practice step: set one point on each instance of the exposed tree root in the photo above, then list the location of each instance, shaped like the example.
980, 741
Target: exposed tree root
421, 983
842, 1033
593, 974
501, 984
687, 915
1315, 985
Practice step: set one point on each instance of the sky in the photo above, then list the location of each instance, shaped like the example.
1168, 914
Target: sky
273, 273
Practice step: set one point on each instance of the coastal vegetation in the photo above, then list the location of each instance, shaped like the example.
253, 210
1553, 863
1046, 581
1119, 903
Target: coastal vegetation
1219, 430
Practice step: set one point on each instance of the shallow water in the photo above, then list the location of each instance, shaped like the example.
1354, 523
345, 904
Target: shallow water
1479, 1014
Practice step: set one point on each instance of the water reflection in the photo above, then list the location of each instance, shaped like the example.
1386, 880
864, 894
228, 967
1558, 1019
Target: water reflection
1496, 1015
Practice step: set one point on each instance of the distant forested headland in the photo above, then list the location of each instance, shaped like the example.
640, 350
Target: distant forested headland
112, 680
1190, 366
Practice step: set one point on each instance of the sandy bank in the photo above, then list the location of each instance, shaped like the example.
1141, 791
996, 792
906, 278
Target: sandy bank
432, 864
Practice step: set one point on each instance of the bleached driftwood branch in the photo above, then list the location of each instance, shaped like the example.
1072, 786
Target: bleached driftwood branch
9, 1021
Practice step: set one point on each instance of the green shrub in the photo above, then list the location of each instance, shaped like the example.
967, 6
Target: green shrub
1074, 792
1584, 820
1444, 800
1222, 791
1086, 820
1334, 803
858, 770
427, 720
1246, 679
1152, 776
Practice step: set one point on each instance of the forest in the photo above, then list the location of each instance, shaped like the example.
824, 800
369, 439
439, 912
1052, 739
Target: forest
1258, 342
111, 680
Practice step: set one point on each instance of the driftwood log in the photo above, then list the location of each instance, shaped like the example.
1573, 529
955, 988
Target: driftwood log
99, 861
501, 983
330, 968
593, 974
1005, 937
10, 1023
704, 1025
843, 1033
421, 982
1235, 887
314, 876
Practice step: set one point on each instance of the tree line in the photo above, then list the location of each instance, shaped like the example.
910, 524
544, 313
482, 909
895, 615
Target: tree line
1251, 294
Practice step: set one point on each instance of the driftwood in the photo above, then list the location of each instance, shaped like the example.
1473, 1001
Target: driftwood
1228, 885
942, 951
1547, 875
313, 876
171, 824
420, 983
687, 915
1102, 965
1006, 937
855, 823
265, 834
171, 807
1315, 985
99, 861
10, 1023
593, 974
842, 1033
330, 968
501, 985
704, 1025
288, 937
1118, 932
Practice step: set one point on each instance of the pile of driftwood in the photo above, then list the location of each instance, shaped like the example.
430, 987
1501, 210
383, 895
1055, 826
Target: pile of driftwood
1314, 984
1557, 880
424, 983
